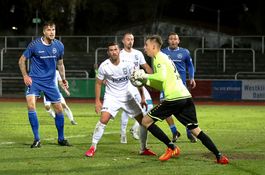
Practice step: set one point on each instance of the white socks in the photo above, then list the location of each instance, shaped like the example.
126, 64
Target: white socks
69, 113
51, 113
143, 137
136, 126
98, 133
124, 122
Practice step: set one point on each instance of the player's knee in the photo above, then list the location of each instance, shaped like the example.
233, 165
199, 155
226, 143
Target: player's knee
105, 117
147, 121
31, 107
139, 118
47, 107
195, 131
64, 105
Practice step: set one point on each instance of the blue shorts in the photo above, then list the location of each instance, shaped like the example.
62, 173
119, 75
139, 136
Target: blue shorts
50, 90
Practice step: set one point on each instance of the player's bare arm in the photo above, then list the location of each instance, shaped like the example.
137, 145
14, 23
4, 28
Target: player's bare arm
23, 69
143, 101
63, 87
61, 70
147, 68
98, 104
192, 83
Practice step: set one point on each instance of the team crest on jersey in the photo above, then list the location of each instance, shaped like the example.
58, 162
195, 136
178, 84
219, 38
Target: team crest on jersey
125, 71
179, 55
54, 50
136, 57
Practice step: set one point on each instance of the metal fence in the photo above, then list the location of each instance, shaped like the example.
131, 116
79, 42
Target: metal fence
91, 43
94, 45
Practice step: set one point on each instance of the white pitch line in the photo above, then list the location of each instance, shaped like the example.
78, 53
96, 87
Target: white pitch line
74, 136
7, 143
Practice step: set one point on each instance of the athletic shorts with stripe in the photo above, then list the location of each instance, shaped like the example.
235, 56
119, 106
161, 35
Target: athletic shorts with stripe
184, 110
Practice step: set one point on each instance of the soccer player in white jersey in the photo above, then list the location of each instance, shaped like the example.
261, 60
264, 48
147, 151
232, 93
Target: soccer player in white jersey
67, 110
136, 57
116, 72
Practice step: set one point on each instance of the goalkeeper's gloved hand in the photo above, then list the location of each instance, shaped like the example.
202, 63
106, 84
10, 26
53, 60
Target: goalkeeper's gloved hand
139, 75
135, 82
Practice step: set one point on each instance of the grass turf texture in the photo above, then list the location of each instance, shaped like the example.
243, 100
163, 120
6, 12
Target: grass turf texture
238, 132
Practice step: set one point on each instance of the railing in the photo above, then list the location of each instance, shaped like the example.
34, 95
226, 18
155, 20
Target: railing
224, 55
83, 40
88, 43
96, 53
20, 78
2, 56
250, 73
78, 71
7, 78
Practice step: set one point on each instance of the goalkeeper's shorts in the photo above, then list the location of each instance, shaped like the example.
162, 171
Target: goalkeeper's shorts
184, 110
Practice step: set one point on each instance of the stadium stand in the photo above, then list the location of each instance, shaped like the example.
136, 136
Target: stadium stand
80, 58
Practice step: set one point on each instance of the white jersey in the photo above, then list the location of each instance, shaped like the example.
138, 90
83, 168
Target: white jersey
137, 58
117, 78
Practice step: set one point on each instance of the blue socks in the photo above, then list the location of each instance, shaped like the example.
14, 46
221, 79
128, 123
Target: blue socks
173, 129
59, 122
188, 132
33, 119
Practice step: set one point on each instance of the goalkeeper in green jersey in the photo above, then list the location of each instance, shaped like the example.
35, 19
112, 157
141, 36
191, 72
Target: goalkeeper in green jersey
178, 101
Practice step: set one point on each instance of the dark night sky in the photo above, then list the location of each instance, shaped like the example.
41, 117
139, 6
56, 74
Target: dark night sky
232, 13
92, 18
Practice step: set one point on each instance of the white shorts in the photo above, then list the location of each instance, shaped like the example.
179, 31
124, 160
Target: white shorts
136, 95
112, 105
48, 103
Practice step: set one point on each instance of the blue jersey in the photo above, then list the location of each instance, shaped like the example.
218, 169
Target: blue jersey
43, 59
182, 59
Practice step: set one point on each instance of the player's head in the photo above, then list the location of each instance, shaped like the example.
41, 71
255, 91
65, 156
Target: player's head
128, 40
173, 40
113, 51
152, 45
49, 30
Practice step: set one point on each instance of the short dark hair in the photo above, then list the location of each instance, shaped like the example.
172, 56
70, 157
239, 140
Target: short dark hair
171, 33
155, 38
127, 33
113, 43
48, 23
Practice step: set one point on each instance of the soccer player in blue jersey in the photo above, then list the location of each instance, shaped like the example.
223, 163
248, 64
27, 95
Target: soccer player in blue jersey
182, 60
44, 54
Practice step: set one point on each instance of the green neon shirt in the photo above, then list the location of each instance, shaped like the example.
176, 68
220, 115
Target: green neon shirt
166, 78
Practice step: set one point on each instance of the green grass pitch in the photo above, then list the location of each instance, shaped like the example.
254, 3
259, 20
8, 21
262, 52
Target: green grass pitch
238, 132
